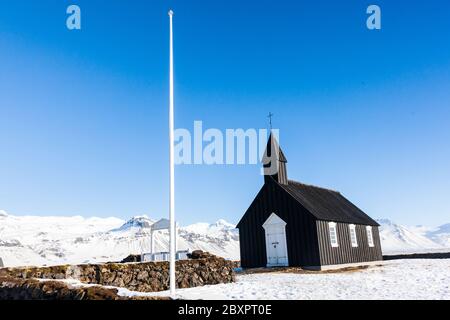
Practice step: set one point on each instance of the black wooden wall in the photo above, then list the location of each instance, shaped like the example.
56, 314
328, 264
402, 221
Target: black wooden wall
345, 253
301, 231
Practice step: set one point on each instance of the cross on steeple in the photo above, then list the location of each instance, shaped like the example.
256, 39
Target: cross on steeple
270, 116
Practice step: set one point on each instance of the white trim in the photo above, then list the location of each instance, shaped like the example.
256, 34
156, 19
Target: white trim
332, 230
370, 236
353, 240
273, 219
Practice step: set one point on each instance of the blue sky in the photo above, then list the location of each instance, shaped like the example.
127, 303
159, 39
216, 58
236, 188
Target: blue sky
83, 114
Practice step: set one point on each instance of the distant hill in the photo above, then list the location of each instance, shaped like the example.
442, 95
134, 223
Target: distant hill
31, 240
396, 238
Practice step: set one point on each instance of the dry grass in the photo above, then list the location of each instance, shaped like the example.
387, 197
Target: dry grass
299, 270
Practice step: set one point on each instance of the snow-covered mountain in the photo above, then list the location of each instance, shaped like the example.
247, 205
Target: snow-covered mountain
29, 240
397, 238
440, 235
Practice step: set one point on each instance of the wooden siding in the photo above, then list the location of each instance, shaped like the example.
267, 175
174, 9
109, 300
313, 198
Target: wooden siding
301, 232
282, 173
345, 253
280, 177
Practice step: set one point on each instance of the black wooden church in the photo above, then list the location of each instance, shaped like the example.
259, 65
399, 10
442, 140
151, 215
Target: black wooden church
293, 224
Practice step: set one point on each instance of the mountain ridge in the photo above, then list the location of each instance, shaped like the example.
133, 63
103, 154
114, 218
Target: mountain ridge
33, 240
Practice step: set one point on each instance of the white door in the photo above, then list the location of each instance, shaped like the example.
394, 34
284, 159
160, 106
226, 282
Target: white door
276, 247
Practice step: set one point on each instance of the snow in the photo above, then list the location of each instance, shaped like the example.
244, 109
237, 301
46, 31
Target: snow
33, 240
427, 279
400, 239
440, 235
45, 240
139, 222
75, 283
210, 229
394, 280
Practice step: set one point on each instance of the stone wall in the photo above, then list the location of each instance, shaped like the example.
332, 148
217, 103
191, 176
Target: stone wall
31, 289
144, 277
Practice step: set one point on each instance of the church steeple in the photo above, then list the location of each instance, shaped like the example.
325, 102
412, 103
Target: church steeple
274, 162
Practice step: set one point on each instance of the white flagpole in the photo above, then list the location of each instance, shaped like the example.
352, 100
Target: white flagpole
172, 172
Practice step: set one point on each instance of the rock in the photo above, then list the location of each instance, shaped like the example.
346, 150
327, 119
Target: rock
202, 269
132, 258
142, 275
19, 289
199, 254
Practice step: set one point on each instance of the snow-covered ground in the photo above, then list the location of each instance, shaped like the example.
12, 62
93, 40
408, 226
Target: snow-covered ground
427, 279
399, 279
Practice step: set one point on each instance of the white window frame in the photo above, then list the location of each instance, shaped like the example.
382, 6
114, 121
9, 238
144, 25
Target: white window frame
370, 236
353, 240
332, 227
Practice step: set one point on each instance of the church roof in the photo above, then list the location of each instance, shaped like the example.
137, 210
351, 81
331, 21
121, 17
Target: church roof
326, 204
323, 204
